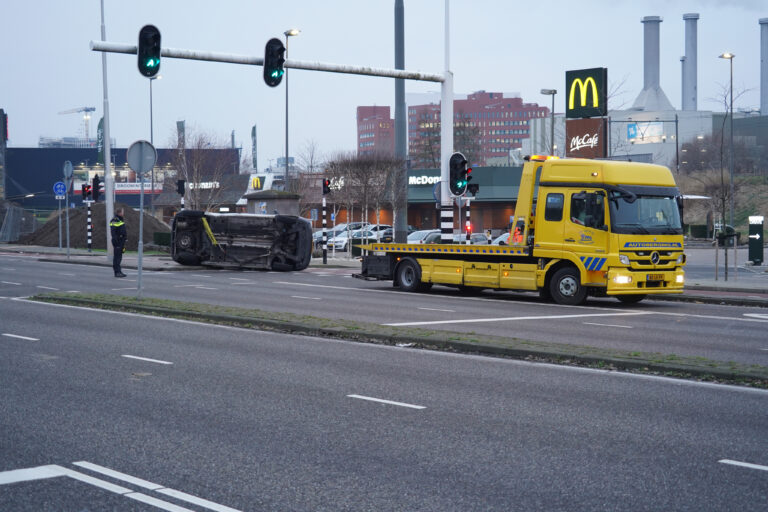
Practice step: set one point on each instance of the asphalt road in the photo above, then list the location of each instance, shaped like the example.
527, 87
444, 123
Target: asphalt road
723, 333
253, 420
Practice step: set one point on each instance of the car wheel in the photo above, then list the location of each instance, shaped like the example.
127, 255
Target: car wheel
565, 287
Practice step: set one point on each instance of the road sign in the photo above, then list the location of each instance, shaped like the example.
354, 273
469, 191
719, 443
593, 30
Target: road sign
67, 169
141, 156
59, 188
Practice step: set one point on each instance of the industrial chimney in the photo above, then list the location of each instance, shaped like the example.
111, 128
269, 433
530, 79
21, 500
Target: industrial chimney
764, 66
651, 98
690, 72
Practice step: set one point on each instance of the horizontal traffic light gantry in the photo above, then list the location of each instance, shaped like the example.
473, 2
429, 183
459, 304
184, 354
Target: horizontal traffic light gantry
459, 175
273, 62
149, 51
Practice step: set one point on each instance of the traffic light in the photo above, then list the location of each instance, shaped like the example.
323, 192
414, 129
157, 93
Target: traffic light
85, 191
3, 126
95, 190
473, 188
180, 187
273, 62
458, 174
326, 186
149, 51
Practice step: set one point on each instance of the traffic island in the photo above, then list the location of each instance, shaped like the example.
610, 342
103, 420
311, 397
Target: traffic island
670, 365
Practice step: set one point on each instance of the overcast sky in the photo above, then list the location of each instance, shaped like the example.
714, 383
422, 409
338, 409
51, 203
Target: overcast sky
496, 45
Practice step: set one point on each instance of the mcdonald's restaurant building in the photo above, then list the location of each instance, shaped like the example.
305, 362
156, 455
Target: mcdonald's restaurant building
491, 209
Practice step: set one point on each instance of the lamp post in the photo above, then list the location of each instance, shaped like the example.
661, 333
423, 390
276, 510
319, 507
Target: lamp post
152, 140
288, 33
729, 56
551, 92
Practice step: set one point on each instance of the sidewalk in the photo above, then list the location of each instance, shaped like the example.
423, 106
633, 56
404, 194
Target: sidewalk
752, 291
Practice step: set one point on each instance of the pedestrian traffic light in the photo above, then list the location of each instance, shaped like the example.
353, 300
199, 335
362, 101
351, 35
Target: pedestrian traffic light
273, 62
95, 190
180, 187
458, 174
326, 186
149, 51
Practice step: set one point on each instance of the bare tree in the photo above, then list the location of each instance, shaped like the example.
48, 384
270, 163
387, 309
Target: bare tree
309, 157
201, 168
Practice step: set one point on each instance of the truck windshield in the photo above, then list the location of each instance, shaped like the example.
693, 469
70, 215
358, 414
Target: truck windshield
657, 215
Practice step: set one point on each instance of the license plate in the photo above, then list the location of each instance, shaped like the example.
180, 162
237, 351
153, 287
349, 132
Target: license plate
654, 277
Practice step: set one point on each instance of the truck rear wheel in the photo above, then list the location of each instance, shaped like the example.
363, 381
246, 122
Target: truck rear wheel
409, 277
566, 287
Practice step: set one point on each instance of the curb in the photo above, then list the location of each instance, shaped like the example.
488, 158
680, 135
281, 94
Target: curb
554, 353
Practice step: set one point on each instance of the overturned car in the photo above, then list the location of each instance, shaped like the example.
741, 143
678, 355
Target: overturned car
241, 240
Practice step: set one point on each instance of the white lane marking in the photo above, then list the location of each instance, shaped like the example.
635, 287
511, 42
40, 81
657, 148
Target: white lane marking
67, 274
238, 279
609, 325
759, 316
149, 500
302, 297
205, 288
117, 475
389, 402
743, 464
147, 359
437, 309
8, 268
27, 474
511, 318
120, 289
20, 337
47, 288
10, 282
185, 285
155, 487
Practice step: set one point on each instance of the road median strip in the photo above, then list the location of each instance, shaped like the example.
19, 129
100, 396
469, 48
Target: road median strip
634, 361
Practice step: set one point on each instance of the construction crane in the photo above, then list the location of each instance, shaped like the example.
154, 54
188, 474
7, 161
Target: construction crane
86, 118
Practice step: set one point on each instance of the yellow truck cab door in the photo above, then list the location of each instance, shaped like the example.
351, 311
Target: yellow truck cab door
585, 233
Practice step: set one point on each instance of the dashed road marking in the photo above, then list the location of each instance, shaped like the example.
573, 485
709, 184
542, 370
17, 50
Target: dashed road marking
158, 361
743, 464
608, 325
20, 337
388, 402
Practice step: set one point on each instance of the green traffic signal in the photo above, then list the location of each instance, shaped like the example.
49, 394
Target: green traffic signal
273, 62
458, 174
148, 51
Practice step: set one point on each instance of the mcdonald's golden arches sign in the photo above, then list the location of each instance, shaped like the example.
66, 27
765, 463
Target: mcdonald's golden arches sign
586, 93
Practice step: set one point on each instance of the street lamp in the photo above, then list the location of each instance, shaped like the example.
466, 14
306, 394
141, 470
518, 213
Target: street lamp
551, 92
288, 33
730, 56
152, 140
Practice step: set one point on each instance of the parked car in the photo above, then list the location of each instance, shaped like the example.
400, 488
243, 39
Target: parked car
417, 237
474, 238
342, 241
502, 239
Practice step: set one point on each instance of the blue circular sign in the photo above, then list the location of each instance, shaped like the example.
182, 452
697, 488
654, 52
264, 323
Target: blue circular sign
59, 188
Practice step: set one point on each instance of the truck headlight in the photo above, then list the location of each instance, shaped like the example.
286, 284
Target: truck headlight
681, 259
624, 259
622, 279
680, 279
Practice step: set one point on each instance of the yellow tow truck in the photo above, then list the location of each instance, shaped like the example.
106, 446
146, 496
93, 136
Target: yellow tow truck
581, 227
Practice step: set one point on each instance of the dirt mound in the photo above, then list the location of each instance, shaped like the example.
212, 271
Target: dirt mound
48, 234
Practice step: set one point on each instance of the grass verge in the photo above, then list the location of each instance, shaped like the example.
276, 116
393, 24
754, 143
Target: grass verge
672, 365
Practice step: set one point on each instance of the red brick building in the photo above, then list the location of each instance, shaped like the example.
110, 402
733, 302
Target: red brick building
486, 127
375, 131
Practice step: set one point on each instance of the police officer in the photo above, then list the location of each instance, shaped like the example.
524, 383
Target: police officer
119, 235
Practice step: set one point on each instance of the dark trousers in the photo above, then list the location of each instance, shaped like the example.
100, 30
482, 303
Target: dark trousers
117, 258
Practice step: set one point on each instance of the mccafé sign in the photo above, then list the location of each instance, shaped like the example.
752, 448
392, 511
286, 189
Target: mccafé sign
586, 93
585, 138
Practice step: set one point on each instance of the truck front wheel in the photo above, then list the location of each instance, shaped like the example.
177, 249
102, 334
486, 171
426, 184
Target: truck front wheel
565, 287
409, 277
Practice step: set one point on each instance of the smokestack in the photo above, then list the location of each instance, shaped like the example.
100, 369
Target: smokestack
690, 72
651, 98
764, 66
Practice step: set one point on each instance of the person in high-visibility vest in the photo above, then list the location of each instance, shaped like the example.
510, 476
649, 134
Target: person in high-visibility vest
517, 236
119, 236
